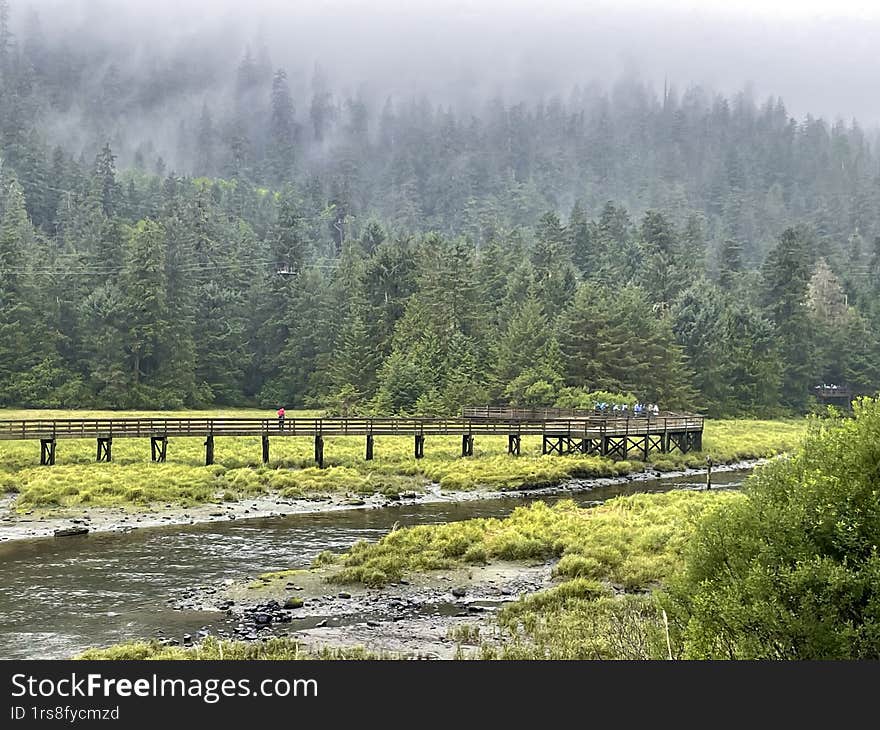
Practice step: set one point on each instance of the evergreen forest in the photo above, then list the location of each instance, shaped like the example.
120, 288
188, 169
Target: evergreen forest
371, 254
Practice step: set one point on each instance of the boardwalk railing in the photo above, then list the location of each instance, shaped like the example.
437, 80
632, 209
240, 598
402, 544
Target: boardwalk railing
19, 430
544, 414
606, 435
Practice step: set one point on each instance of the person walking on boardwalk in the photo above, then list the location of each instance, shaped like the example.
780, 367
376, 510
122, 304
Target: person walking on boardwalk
281, 418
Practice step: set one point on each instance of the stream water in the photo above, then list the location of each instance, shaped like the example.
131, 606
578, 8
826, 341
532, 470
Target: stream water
59, 596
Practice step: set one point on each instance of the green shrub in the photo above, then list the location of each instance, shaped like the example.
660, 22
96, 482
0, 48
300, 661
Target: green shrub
792, 570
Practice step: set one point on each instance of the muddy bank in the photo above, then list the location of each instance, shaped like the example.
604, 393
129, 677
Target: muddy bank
38, 524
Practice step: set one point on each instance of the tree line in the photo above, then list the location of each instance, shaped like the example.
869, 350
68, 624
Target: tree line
694, 251
221, 297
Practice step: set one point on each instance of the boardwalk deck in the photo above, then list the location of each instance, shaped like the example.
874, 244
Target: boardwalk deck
614, 436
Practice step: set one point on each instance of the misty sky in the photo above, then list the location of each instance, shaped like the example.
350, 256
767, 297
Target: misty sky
820, 57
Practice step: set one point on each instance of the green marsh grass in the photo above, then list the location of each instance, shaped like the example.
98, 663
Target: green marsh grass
213, 649
131, 479
633, 542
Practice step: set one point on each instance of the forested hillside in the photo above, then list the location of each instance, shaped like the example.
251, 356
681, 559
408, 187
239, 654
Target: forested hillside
395, 255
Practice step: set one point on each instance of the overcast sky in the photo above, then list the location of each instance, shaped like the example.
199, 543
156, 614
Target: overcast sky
821, 57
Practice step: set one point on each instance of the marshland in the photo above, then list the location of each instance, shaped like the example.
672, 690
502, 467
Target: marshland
166, 580
223, 209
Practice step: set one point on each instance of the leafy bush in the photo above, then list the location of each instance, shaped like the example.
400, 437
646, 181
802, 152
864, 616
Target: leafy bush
792, 570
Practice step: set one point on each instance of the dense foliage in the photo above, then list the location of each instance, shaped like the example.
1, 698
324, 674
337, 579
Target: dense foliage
410, 258
792, 571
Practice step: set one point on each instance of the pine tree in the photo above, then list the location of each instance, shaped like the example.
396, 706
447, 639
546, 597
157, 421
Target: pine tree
105, 184
206, 137
282, 131
356, 359
521, 344
144, 306
663, 272
786, 275
582, 245
555, 273
24, 338
730, 264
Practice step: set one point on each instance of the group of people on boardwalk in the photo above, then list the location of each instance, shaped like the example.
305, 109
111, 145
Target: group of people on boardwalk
638, 409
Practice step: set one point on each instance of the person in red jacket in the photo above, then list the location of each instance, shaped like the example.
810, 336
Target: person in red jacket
281, 417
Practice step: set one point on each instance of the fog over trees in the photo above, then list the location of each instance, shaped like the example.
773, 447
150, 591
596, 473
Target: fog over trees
398, 210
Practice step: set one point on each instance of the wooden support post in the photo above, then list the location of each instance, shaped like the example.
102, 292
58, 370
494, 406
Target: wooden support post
265, 448
319, 450
158, 448
369, 455
420, 446
646, 445
513, 444
708, 473
105, 449
543, 444
47, 452
209, 450
664, 445
467, 445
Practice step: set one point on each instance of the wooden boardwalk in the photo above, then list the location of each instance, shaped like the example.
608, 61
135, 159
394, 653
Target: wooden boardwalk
614, 436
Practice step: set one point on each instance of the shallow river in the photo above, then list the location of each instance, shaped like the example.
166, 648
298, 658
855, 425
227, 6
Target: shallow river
59, 596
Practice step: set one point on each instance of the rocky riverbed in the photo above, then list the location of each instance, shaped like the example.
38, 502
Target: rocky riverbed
414, 618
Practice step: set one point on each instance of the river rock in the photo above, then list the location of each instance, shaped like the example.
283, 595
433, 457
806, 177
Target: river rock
262, 618
459, 592
71, 531
293, 602
343, 594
